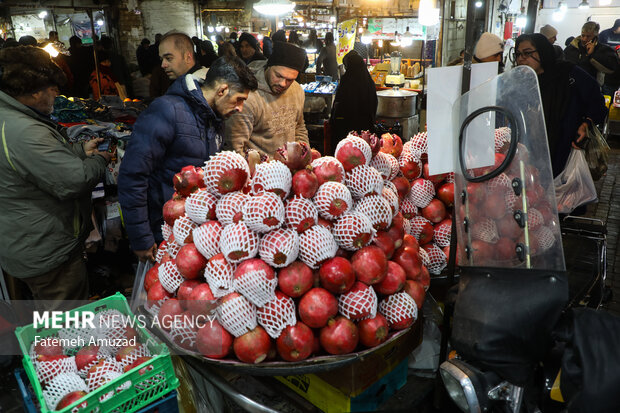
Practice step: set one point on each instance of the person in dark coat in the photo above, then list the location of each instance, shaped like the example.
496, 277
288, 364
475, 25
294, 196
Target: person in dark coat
267, 46
249, 50
82, 63
206, 53
144, 58
183, 127
326, 62
571, 98
117, 64
355, 104
611, 36
279, 36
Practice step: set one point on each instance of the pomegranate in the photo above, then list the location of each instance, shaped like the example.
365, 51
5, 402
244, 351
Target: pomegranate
316, 307
392, 144
296, 279
328, 169
373, 331
435, 211
86, 356
424, 278
507, 227
402, 186
295, 155
442, 233
337, 275
495, 205
189, 180
201, 300
169, 313
50, 346
125, 352
409, 259
333, 199
435, 179
190, 262
174, 208
70, 398
157, 292
410, 166
226, 172
252, 347
353, 151
185, 290
411, 242
371, 139
136, 363
384, 241
353, 230
400, 310
482, 251
213, 341
394, 280
305, 183
254, 265
339, 336
300, 214
295, 342
416, 290
397, 230
315, 154
446, 194
325, 223
476, 193
370, 265
422, 229
505, 249
151, 276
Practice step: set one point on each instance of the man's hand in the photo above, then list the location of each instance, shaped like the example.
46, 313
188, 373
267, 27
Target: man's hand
149, 254
91, 146
107, 155
582, 133
590, 47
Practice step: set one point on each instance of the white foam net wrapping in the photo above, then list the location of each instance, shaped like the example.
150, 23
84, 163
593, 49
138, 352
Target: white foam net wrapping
501, 183
350, 227
442, 234
256, 287
184, 335
534, 219
426, 260
110, 325
408, 160
357, 143
47, 370
407, 226
299, 213
102, 353
200, 206
329, 194
279, 248
417, 224
485, 230
182, 230
140, 351
545, 238
166, 231
238, 242
276, 315
74, 335
502, 137
272, 176
161, 251
419, 144
207, 238
386, 164
263, 213
317, 163
169, 276
229, 206
437, 259
364, 180
316, 245
377, 209
60, 386
398, 307
392, 199
358, 305
408, 208
172, 248
450, 177
219, 165
512, 201
108, 370
237, 316
422, 192
219, 276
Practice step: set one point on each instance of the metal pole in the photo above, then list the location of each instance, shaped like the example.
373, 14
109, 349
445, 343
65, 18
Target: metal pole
532, 10
470, 29
92, 28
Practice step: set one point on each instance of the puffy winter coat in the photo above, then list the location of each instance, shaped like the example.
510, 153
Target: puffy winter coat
176, 130
45, 191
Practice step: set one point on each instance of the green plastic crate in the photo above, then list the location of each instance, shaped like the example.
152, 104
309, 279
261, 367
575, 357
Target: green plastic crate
145, 388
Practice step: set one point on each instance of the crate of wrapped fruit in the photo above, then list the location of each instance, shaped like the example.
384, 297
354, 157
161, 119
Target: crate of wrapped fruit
100, 359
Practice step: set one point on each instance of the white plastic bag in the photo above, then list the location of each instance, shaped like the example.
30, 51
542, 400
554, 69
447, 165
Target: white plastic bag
574, 185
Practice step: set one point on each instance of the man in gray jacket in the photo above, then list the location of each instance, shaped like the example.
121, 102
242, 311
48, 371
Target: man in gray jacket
45, 182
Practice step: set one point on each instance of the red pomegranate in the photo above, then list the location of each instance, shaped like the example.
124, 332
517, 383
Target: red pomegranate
336, 275
339, 336
70, 398
328, 169
151, 276
435, 179
305, 183
333, 199
201, 300
169, 313
435, 211
373, 331
402, 186
416, 290
370, 265
157, 292
409, 259
507, 227
254, 265
384, 241
353, 151
190, 262
495, 205
213, 341
295, 155
296, 279
315, 154
252, 347
174, 208
422, 229
226, 172
482, 251
316, 307
392, 144
410, 166
505, 249
188, 180
295, 342
476, 193
446, 194
394, 280
353, 230
86, 356
185, 289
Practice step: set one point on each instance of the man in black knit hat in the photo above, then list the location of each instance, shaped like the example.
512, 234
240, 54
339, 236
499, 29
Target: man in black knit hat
273, 114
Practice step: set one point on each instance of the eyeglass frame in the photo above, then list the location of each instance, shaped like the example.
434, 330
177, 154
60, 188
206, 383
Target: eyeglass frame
514, 54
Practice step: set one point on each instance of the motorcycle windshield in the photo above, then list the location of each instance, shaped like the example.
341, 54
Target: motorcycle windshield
505, 203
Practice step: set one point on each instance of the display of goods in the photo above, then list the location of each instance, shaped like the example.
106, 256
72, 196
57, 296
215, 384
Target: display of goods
316, 245
279, 248
364, 180
238, 242
226, 172
236, 314
219, 275
392, 144
229, 207
295, 155
391, 196
200, 206
422, 192
377, 209
189, 180
353, 230
333, 199
256, 280
410, 165
400, 310
300, 214
273, 176
386, 164
173, 209
263, 213
353, 151
277, 314
169, 276
437, 259
328, 169
182, 230
207, 238
359, 303
166, 231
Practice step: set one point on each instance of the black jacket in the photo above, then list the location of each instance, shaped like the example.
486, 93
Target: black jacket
603, 59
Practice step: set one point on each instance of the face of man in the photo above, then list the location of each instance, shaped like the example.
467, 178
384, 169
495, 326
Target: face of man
280, 78
174, 62
246, 50
44, 99
553, 39
587, 37
228, 102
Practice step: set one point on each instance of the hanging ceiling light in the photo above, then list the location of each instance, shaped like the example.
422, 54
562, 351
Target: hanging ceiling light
274, 7
43, 14
562, 6
407, 38
584, 5
366, 37
558, 15
427, 14
100, 22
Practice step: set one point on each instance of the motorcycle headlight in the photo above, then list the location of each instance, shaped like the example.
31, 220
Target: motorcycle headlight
458, 381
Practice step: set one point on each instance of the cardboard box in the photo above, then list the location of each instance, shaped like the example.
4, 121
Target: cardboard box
331, 400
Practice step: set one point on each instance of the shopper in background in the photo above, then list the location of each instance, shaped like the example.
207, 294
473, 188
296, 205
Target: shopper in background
183, 127
249, 51
206, 53
232, 38
144, 57
82, 63
267, 46
273, 114
10, 42
611, 36
313, 41
355, 104
27, 41
108, 83
279, 36
551, 34
219, 40
326, 62
118, 66
593, 57
571, 99
490, 48
226, 49
45, 182
293, 37
154, 51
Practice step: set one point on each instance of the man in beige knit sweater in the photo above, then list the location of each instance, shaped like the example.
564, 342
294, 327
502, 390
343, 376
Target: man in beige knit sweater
273, 114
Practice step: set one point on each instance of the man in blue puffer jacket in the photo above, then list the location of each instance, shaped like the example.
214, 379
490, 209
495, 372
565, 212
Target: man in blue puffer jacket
183, 127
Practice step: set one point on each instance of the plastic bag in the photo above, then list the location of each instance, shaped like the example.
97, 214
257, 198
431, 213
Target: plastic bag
597, 153
138, 294
574, 185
